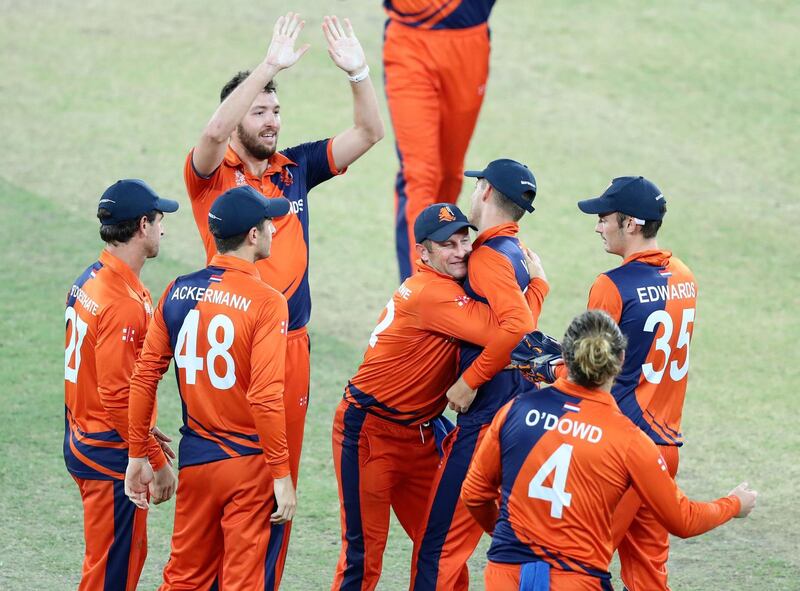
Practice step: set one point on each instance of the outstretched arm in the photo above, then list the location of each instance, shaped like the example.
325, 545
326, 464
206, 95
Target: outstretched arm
210, 150
347, 53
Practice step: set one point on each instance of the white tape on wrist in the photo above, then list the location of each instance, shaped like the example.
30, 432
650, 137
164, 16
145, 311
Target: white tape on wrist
359, 76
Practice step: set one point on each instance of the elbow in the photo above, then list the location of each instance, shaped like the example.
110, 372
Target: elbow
375, 133
214, 132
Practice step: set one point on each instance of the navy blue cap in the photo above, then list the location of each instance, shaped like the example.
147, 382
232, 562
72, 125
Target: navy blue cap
439, 221
130, 199
632, 195
237, 210
511, 178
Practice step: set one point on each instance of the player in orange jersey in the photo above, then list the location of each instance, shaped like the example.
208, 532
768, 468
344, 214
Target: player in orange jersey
504, 191
652, 296
559, 460
108, 310
436, 63
386, 429
239, 147
226, 330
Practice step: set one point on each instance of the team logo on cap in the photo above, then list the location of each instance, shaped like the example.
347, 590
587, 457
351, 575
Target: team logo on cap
446, 214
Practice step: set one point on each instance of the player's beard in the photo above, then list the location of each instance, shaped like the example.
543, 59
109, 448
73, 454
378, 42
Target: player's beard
253, 145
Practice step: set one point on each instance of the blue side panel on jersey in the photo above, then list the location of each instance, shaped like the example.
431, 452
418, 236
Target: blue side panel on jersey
469, 13
504, 386
627, 279
517, 441
110, 458
366, 402
196, 449
84, 277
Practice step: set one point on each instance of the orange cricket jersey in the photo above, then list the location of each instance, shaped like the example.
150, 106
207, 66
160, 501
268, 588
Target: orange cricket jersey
226, 330
439, 14
292, 173
653, 297
412, 357
108, 310
499, 276
560, 459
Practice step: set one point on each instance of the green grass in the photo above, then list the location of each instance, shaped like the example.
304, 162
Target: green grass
701, 99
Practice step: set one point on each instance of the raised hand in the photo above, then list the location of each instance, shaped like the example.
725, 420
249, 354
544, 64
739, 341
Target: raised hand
281, 52
343, 46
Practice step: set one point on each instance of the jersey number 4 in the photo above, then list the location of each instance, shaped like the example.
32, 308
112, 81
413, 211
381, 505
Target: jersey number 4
186, 350
558, 498
676, 372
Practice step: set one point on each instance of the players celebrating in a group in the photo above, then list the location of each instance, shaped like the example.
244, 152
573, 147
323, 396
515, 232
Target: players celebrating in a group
226, 330
559, 460
239, 147
108, 310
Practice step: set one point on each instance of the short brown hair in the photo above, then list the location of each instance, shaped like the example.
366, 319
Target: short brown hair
508, 207
650, 227
232, 242
593, 347
122, 232
231, 85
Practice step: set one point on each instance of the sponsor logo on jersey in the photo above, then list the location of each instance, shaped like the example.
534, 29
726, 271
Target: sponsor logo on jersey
127, 334
446, 214
462, 300
240, 178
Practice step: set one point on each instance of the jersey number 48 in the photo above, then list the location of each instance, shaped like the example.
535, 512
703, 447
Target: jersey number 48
186, 350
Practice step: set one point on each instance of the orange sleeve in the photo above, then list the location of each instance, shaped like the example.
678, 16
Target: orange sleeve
673, 509
265, 395
492, 274
604, 295
537, 290
118, 330
481, 487
447, 310
151, 365
197, 186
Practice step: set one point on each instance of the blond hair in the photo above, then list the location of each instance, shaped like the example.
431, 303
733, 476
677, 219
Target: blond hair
593, 348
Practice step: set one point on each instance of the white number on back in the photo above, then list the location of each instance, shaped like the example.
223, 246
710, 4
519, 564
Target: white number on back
555, 495
186, 350
383, 324
77, 333
676, 372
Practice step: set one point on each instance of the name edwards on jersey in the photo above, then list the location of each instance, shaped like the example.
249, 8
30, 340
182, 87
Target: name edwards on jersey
214, 296
657, 293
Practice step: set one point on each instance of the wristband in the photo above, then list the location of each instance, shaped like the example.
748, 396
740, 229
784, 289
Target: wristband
359, 76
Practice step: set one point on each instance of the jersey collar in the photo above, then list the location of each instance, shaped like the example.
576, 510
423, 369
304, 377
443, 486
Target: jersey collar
233, 263
651, 257
594, 394
277, 162
423, 268
121, 268
507, 229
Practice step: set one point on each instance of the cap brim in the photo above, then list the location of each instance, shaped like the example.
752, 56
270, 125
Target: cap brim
596, 205
473, 173
166, 205
277, 207
443, 233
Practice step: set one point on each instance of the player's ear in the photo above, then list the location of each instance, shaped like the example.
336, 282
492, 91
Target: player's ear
422, 252
143, 221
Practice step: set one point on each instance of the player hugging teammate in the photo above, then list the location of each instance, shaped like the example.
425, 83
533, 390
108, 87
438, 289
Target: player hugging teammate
561, 474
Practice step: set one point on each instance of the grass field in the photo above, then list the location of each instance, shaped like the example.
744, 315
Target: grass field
700, 98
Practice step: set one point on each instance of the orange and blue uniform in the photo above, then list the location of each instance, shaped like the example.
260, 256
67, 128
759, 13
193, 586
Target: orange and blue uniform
497, 276
107, 313
386, 428
559, 460
652, 296
291, 173
436, 63
226, 330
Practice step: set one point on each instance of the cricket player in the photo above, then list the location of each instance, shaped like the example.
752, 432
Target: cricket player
559, 461
436, 64
386, 428
239, 147
108, 310
226, 330
652, 295
504, 191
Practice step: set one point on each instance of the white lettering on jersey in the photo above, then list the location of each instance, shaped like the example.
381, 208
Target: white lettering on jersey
564, 425
404, 292
657, 293
84, 300
215, 296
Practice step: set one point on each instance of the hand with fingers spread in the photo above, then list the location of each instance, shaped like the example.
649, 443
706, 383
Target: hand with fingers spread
285, 499
281, 53
343, 46
163, 442
138, 477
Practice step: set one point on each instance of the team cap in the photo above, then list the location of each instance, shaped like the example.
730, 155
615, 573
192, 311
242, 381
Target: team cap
239, 209
632, 195
129, 199
439, 221
511, 178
